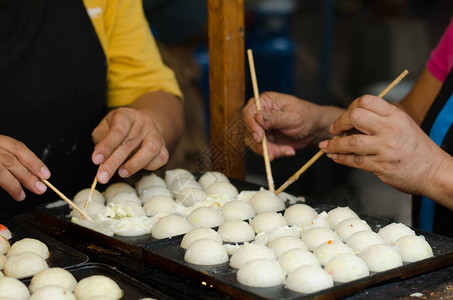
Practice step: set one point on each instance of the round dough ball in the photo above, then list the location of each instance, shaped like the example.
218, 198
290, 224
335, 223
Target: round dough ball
206, 252
236, 231
82, 196
170, 226
2, 261
317, 236
266, 201
127, 209
381, 258
319, 221
336, 215
116, 188
285, 243
29, 245
267, 221
4, 245
237, 210
361, 240
347, 267
171, 175
413, 248
190, 196
248, 252
97, 285
123, 197
13, 288
278, 232
53, 276
153, 191
309, 279
392, 232
300, 214
159, 205
147, 181
211, 177
220, 188
92, 209
348, 227
53, 292
24, 264
261, 273
197, 234
330, 249
205, 217
296, 257
180, 184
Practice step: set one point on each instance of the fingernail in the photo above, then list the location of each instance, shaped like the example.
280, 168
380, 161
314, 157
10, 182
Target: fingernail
98, 159
256, 137
41, 187
332, 155
123, 172
266, 117
103, 177
45, 173
22, 195
323, 145
289, 152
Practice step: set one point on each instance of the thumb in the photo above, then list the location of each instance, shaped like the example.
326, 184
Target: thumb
271, 119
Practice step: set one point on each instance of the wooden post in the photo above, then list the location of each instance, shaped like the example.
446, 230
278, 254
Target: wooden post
226, 84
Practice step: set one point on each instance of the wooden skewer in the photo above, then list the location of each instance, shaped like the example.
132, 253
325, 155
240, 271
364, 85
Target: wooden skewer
67, 200
93, 186
296, 175
270, 179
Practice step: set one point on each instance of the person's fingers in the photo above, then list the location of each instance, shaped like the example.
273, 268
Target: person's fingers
372, 103
359, 119
363, 162
248, 116
357, 144
10, 184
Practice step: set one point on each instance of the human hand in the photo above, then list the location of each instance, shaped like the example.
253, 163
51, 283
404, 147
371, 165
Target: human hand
19, 166
383, 139
127, 140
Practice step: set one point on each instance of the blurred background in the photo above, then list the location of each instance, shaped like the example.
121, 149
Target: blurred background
325, 51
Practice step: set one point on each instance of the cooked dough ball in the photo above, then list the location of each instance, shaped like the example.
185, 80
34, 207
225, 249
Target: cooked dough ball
92, 209
116, 188
206, 252
236, 231
171, 175
309, 279
211, 177
159, 205
220, 188
346, 267
413, 248
190, 196
296, 257
330, 249
1, 274
147, 181
285, 243
336, 215
82, 197
123, 197
180, 184
319, 221
392, 232
361, 240
348, 227
205, 217
267, 221
13, 288
381, 258
197, 234
24, 264
317, 236
237, 210
153, 191
4, 245
278, 232
53, 292
170, 226
2, 261
53, 276
248, 252
266, 201
127, 209
300, 214
97, 285
29, 245
261, 273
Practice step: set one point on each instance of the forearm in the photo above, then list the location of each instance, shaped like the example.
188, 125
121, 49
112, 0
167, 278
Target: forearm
439, 186
166, 110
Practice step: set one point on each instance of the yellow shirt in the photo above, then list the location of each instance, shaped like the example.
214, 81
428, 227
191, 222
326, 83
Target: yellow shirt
134, 64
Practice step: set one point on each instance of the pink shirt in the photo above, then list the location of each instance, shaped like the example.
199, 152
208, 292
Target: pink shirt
441, 58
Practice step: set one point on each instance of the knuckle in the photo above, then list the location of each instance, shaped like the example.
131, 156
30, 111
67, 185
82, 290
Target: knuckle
353, 141
355, 114
357, 159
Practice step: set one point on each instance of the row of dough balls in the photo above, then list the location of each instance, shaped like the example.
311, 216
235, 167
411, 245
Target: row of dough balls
342, 243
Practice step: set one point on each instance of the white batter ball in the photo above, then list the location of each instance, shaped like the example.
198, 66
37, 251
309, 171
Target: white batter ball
29, 245
2, 261
309, 279
237, 210
171, 175
267, 221
317, 236
346, 267
147, 181
190, 196
53, 276
261, 273
197, 234
319, 221
236, 231
413, 248
123, 197
381, 258
266, 201
4, 245
13, 288
92, 209
180, 184
300, 214
97, 285
280, 232
348, 227
211, 177
24, 264
330, 249
248, 252
336, 215
127, 209
296, 257
222, 188
153, 191
361, 240
82, 196
159, 205
170, 226
392, 232
206, 252
285, 243
205, 217
116, 188
53, 292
